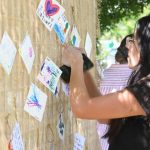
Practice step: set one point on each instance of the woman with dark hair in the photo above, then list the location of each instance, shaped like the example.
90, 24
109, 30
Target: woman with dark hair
128, 109
114, 79
122, 51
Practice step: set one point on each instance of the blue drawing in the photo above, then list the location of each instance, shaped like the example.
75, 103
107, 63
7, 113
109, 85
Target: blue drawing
33, 100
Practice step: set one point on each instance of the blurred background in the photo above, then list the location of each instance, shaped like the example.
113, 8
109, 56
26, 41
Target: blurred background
116, 19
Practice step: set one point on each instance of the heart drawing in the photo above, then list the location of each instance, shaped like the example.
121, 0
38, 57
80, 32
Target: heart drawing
50, 8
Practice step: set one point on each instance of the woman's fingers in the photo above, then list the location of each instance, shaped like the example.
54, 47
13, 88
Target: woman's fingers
67, 46
70, 54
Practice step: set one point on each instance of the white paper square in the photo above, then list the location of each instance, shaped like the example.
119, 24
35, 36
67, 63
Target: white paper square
7, 53
49, 11
88, 45
78, 142
75, 37
62, 28
35, 102
65, 88
16, 138
27, 53
50, 74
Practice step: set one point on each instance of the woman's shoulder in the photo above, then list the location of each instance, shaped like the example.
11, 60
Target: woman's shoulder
141, 87
141, 90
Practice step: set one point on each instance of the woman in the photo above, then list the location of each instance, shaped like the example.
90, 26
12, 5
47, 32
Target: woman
115, 79
122, 52
130, 107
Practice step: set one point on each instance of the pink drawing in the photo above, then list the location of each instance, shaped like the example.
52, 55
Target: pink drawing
30, 51
50, 8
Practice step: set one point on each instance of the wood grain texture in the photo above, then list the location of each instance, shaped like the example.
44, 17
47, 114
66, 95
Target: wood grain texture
18, 17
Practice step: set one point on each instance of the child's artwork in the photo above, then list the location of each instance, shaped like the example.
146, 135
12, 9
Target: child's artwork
65, 88
75, 37
16, 138
35, 102
50, 74
27, 53
49, 11
62, 28
78, 142
88, 45
57, 90
7, 53
61, 127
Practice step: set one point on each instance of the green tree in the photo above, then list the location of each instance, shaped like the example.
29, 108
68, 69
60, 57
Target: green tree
117, 19
113, 11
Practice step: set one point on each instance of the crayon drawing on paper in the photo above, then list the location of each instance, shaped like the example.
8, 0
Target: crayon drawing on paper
79, 141
27, 53
62, 28
49, 74
16, 142
35, 102
60, 126
49, 11
7, 53
75, 37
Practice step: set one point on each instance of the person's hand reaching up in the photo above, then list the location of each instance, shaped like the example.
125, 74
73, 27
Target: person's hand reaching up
71, 56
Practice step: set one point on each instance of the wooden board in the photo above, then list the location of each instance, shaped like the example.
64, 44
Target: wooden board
18, 17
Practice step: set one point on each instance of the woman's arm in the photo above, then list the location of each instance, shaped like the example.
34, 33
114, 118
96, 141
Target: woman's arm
115, 105
93, 91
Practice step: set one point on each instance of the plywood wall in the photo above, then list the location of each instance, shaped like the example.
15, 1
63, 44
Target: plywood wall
18, 17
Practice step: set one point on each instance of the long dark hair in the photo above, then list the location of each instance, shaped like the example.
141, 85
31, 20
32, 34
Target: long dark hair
122, 52
142, 36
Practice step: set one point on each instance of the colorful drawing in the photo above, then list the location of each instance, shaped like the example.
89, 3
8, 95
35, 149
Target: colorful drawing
49, 11
62, 28
78, 142
61, 126
35, 102
49, 74
7, 53
57, 89
75, 38
67, 26
27, 53
16, 142
88, 45
30, 52
50, 8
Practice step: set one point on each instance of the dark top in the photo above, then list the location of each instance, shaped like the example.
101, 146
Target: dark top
135, 131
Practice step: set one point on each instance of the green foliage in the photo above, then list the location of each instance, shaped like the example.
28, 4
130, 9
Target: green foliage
117, 19
101, 55
114, 11
124, 27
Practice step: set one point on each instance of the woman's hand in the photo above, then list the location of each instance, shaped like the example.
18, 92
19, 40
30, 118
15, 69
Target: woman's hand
72, 56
